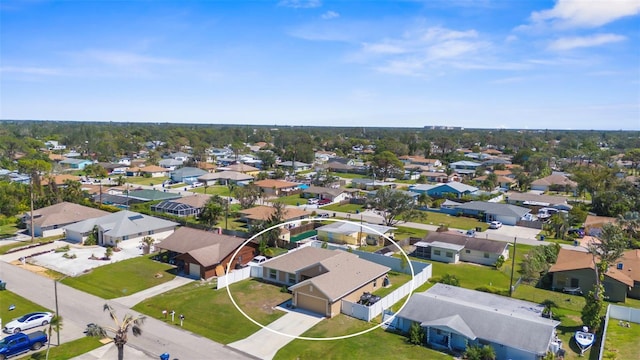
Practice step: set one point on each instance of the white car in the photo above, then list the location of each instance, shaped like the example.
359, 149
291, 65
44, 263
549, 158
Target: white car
258, 260
312, 201
28, 321
495, 225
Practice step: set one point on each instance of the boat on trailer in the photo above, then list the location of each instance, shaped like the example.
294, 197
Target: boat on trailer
584, 339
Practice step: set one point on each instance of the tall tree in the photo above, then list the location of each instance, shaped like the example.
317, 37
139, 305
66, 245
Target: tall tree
247, 195
393, 204
386, 164
119, 333
213, 211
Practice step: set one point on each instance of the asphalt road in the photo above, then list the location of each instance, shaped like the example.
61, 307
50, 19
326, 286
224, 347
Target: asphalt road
78, 309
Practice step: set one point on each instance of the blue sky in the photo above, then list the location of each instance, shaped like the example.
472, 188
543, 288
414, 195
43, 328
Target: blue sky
564, 64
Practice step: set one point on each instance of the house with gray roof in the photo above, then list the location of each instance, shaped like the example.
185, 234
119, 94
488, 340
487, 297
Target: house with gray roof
320, 279
187, 175
225, 178
465, 167
453, 318
530, 199
319, 192
488, 211
121, 226
354, 234
170, 164
51, 220
452, 247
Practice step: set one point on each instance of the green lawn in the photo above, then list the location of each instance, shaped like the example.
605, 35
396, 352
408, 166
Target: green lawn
349, 176
346, 208
377, 344
622, 342
67, 350
8, 230
220, 190
396, 279
6, 248
122, 278
22, 305
210, 313
455, 222
293, 200
141, 180
403, 232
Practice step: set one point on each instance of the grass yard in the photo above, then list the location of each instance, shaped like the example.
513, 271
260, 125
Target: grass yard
141, 180
210, 313
396, 279
67, 350
377, 344
622, 342
455, 222
346, 208
8, 230
293, 200
403, 232
22, 305
349, 176
14, 245
221, 190
122, 278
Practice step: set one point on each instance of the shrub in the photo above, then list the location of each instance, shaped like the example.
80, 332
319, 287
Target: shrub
450, 280
416, 334
500, 262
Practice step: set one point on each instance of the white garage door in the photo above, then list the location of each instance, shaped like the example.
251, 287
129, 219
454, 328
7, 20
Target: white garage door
194, 270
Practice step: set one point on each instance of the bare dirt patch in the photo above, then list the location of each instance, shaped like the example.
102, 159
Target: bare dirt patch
35, 269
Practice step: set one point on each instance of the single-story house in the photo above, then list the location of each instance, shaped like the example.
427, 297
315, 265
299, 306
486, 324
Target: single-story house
371, 184
333, 194
225, 178
505, 213
154, 171
73, 163
339, 167
270, 187
115, 169
205, 254
354, 234
296, 166
187, 175
530, 199
120, 226
503, 182
261, 213
184, 206
555, 181
436, 177
320, 279
179, 155
50, 220
575, 269
450, 247
152, 195
454, 318
420, 160
465, 167
59, 179
170, 164
242, 168
455, 188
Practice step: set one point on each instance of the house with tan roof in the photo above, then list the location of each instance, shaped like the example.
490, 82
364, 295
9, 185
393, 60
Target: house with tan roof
319, 192
59, 179
185, 206
530, 199
205, 254
242, 168
271, 187
555, 181
355, 234
154, 171
575, 269
50, 220
226, 177
503, 181
262, 213
319, 279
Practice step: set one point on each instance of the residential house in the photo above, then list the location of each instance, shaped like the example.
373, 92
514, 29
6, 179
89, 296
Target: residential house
293, 165
179, 156
123, 225
554, 182
492, 162
206, 166
170, 164
242, 168
503, 182
333, 194
593, 224
59, 180
575, 269
452, 247
431, 164
436, 177
320, 279
453, 188
225, 178
454, 318
270, 187
114, 169
187, 175
205, 254
371, 184
154, 171
184, 206
262, 213
339, 167
50, 220
530, 199
488, 211
465, 167
76, 164
355, 234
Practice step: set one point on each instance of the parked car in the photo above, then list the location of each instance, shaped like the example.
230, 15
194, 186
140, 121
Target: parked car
324, 202
312, 201
470, 233
28, 321
579, 233
258, 260
495, 225
20, 343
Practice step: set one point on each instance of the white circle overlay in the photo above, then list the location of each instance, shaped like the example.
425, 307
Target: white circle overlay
324, 338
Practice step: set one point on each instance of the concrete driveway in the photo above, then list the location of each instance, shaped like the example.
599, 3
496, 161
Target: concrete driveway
264, 344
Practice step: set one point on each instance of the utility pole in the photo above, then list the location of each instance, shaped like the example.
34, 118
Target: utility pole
31, 200
513, 266
55, 290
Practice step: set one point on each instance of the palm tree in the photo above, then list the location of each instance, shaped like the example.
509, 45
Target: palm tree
54, 325
147, 242
120, 331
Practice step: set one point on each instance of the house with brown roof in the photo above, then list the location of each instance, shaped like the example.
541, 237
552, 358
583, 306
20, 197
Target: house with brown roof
503, 182
225, 178
59, 179
205, 254
575, 269
438, 177
271, 187
154, 171
320, 279
242, 168
453, 247
262, 213
50, 220
319, 192
555, 181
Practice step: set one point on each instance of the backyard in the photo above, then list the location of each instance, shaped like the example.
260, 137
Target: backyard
141, 180
67, 350
210, 312
622, 341
123, 277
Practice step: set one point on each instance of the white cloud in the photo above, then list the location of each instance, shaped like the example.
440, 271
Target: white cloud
569, 43
300, 4
121, 58
330, 15
581, 13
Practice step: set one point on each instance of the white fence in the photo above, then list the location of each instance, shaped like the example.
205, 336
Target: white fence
619, 313
238, 275
367, 313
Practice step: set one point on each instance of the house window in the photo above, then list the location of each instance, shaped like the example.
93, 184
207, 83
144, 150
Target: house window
150, 232
436, 252
272, 274
292, 278
486, 255
126, 237
467, 251
375, 282
449, 254
575, 282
